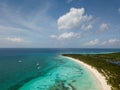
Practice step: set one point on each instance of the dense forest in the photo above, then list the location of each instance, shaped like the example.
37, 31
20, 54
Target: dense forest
107, 64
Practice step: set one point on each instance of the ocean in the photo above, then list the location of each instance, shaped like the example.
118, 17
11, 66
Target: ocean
46, 69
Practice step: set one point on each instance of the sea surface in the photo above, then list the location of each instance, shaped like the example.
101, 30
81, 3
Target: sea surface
46, 69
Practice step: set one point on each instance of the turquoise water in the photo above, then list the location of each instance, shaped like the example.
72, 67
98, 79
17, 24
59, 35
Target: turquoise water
45, 69
68, 76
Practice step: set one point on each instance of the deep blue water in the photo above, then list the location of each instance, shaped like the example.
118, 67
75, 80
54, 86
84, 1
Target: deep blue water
21, 66
14, 51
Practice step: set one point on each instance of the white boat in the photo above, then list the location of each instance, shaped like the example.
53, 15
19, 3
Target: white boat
37, 64
19, 61
38, 67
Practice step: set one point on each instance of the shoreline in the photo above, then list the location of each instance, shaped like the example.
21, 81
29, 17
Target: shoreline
98, 75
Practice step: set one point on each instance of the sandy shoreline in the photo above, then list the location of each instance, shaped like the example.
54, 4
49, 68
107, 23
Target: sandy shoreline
98, 75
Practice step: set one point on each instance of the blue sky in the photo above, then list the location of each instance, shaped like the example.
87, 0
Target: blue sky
60, 23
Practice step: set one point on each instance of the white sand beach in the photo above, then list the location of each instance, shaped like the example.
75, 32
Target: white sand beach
99, 76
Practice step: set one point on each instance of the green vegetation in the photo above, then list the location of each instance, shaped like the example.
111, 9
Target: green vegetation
104, 63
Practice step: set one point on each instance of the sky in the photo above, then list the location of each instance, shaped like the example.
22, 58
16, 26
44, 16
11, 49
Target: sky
59, 23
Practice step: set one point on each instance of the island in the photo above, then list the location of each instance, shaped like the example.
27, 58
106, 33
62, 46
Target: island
108, 65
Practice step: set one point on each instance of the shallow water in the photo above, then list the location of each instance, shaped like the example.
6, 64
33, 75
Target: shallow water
68, 76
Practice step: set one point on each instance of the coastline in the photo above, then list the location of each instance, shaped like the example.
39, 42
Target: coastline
99, 76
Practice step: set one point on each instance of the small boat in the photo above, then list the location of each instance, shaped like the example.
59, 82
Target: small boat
38, 67
19, 61
37, 64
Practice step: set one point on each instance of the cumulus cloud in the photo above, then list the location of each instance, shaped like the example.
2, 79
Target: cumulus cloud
87, 27
104, 43
75, 18
104, 27
66, 36
15, 39
92, 42
112, 41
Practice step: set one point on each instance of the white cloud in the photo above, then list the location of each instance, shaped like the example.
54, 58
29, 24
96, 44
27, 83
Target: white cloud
92, 42
69, 1
66, 36
28, 25
53, 36
75, 18
15, 18
118, 10
104, 43
112, 41
104, 27
88, 27
15, 39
